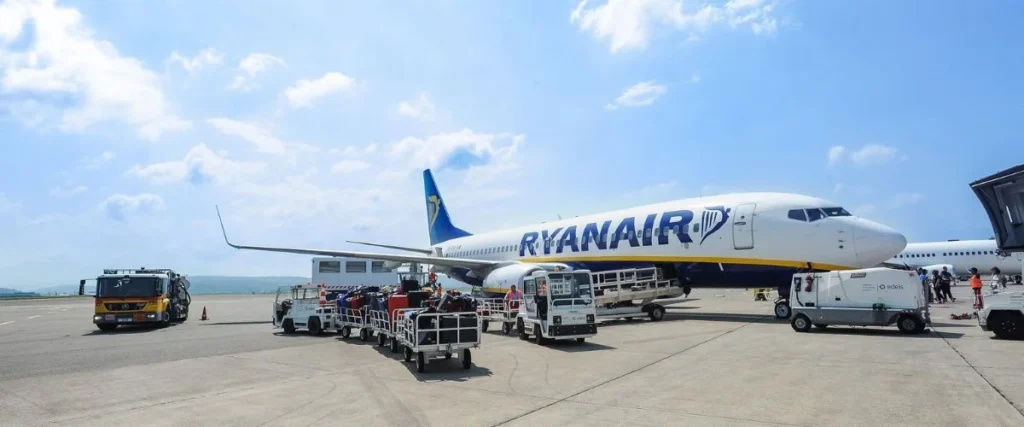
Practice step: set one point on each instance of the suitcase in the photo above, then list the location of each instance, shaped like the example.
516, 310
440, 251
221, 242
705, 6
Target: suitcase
449, 322
396, 302
416, 298
355, 302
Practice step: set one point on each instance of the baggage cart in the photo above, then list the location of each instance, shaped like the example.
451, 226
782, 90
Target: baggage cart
430, 336
383, 326
354, 318
497, 310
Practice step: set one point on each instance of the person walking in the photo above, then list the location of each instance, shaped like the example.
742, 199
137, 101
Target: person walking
976, 286
937, 287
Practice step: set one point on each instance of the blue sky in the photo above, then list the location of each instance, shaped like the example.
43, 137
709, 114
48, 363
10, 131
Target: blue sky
308, 123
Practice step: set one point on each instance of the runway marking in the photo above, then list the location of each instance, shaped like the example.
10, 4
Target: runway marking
33, 317
7, 322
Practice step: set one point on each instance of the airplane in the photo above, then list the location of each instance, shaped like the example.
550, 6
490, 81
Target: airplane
746, 240
959, 256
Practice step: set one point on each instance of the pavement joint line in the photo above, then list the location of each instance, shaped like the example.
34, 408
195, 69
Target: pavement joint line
7, 322
33, 317
975, 369
692, 414
618, 377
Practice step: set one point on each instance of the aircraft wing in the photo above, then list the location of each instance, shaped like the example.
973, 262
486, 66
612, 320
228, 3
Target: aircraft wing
401, 248
472, 264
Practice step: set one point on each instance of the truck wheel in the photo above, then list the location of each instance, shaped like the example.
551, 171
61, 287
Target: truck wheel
107, 327
408, 354
483, 326
782, 310
657, 312
421, 362
506, 328
1006, 325
467, 359
394, 345
364, 334
539, 337
289, 326
909, 324
580, 340
820, 325
801, 323
314, 326
380, 340
522, 330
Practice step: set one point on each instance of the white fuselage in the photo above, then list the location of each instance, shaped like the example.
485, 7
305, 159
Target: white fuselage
750, 229
962, 255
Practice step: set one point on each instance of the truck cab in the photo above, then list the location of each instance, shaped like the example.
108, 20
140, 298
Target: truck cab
139, 296
557, 305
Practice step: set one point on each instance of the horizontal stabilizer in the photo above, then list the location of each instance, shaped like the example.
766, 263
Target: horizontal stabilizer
401, 248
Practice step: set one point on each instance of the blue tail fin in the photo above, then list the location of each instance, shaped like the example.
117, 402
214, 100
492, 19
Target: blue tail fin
438, 221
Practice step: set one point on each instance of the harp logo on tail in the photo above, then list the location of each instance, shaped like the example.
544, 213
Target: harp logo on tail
713, 218
433, 208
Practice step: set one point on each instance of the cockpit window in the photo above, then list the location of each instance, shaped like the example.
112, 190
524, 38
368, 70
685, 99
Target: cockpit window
836, 211
815, 214
798, 214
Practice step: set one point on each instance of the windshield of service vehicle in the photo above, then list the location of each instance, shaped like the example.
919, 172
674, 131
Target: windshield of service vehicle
129, 286
569, 285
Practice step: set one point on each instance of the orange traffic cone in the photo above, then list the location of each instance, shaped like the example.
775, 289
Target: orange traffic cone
204, 314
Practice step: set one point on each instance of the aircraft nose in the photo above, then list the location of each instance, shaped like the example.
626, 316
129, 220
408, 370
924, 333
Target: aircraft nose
877, 243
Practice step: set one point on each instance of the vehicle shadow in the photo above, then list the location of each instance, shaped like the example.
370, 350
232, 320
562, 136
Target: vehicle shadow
892, 331
571, 346
437, 369
130, 329
671, 316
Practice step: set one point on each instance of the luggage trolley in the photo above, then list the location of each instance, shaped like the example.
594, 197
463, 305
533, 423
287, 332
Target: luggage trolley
427, 336
354, 318
383, 325
498, 310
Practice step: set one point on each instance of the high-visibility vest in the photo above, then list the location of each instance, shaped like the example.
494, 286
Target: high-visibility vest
512, 296
976, 282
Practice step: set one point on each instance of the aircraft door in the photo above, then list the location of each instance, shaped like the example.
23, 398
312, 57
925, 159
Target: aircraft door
529, 303
743, 226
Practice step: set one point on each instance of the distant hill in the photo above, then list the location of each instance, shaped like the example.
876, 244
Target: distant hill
208, 285
224, 285
9, 291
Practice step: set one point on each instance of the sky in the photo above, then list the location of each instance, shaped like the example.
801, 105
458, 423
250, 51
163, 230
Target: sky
309, 123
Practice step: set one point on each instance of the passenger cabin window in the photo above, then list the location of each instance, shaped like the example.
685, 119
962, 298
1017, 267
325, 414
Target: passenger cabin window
798, 214
355, 267
814, 214
329, 267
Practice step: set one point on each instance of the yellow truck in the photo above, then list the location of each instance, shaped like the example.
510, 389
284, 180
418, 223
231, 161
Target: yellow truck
139, 296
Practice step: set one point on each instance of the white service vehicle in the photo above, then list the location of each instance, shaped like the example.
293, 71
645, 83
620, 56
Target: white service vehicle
1003, 314
557, 305
866, 297
306, 307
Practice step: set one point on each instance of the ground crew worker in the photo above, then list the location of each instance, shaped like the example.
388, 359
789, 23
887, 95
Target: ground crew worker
512, 297
976, 287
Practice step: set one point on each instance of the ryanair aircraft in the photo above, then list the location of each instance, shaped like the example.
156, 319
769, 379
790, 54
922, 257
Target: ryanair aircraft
733, 240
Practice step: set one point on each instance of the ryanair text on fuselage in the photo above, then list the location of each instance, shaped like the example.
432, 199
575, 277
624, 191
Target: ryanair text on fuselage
675, 222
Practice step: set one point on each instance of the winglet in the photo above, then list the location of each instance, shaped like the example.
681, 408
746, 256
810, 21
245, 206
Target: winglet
222, 230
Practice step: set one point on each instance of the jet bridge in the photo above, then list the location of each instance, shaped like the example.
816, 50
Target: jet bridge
633, 292
1002, 196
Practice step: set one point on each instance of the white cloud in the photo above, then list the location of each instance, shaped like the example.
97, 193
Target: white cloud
304, 91
263, 140
838, 188
119, 206
66, 59
200, 165
98, 161
299, 197
484, 156
629, 24
873, 154
638, 95
349, 166
67, 192
835, 154
694, 78
250, 67
208, 56
352, 150
420, 108
7, 205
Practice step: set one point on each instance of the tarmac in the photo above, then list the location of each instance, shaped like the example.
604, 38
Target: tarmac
718, 359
